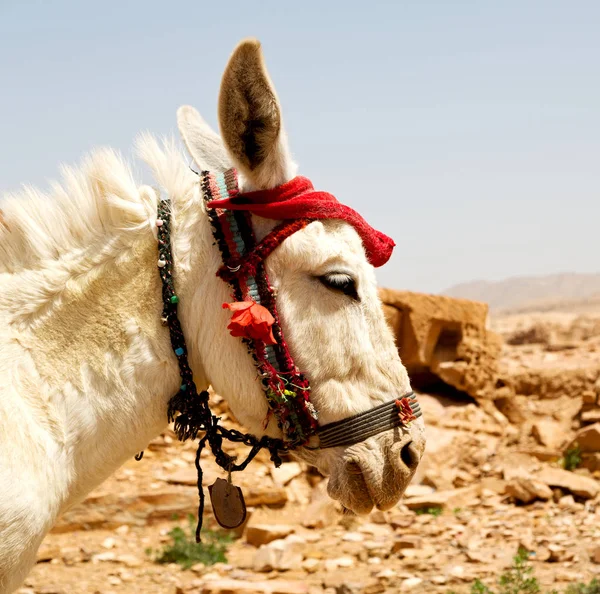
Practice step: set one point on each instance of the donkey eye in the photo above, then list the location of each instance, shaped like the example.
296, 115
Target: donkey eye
340, 281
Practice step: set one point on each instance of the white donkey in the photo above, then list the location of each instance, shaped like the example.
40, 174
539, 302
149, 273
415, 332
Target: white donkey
86, 367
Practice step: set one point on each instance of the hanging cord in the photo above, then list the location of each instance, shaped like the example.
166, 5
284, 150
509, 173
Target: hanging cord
188, 409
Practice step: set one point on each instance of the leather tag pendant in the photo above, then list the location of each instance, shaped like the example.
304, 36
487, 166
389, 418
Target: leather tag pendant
228, 503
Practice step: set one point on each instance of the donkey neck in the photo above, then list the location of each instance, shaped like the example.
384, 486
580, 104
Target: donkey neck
104, 361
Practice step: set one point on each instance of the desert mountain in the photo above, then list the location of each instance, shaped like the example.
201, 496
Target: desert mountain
523, 293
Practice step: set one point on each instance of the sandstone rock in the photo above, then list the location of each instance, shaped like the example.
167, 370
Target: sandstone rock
542, 553
595, 554
548, 433
286, 472
448, 499
47, 552
332, 564
588, 438
129, 560
526, 489
270, 496
591, 416
446, 336
418, 491
559, 553
398, 521
517, 465
311, 565
279, 555
591, 461
541, 453
480, 556
261, 534
228, 586
408, 541
582, 486
410, 584
109, 543
353, 537
513, 408
494, 484
108, 556
321, 512
188, 476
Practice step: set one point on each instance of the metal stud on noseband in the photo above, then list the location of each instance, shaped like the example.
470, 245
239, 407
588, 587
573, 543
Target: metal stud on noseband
287, 390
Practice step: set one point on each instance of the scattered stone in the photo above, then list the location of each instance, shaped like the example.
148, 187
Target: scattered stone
122, 530
286, 472
457, 571
321, 513
587, 438
591, 416
410, 583
582, 486
270, 496
311, 565
48, 552
418, 491
279, 555
549, 433
108, 556
129, 560
261, 534
229, 586
526, 489
449, 499
566, 502
409, 541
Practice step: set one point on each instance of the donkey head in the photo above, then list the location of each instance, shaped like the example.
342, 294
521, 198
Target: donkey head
326, 298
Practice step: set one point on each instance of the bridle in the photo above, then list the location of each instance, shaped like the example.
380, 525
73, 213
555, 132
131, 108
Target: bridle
286, 389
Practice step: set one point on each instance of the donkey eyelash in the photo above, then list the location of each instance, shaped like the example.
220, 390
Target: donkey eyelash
340, 281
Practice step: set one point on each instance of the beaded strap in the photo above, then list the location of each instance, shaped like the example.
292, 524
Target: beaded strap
189, 409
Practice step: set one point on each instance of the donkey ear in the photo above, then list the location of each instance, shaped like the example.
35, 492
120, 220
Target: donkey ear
204, 145
250, 119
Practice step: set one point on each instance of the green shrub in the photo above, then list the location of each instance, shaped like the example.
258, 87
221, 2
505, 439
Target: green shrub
519, 580
572, 458
515, 580
185, 551
592, 588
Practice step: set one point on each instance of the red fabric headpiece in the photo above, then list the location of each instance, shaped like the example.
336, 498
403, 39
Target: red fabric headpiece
297, 199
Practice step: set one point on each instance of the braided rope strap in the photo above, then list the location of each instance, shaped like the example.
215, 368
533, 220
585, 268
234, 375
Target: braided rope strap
286, 389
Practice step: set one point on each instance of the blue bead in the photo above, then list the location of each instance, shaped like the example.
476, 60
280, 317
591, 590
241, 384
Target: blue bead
179, 351
183, 387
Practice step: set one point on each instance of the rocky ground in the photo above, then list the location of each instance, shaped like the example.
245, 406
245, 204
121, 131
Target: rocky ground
491, 482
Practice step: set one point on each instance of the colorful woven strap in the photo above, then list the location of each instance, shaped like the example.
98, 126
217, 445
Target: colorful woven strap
286, 389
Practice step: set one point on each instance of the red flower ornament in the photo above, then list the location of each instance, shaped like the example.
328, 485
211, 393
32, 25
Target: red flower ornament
405, 411
251, 320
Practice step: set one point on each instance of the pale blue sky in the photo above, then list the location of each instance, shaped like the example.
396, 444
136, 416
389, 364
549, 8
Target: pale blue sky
469, 131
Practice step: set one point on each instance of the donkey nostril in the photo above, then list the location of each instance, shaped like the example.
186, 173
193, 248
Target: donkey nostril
409, 455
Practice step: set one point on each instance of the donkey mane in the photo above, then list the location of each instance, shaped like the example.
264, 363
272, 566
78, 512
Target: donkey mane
96, 211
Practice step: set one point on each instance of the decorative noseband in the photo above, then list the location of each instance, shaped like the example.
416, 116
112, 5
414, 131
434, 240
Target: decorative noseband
287, 390
359, 427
